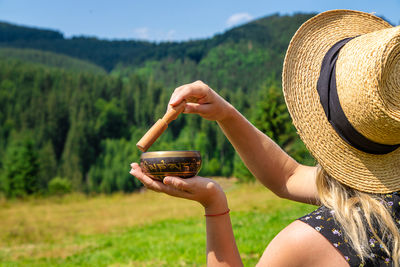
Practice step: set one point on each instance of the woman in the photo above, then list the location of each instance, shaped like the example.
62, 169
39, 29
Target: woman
341, 81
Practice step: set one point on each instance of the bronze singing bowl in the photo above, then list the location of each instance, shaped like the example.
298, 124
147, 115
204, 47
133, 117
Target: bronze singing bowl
158, 164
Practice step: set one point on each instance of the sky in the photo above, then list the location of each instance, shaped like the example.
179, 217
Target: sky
167, 20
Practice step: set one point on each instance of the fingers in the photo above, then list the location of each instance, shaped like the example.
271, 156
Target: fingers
202, 190
177, 183
191, 108
147, 181
197, 90
173, 186
135, 165
200, 109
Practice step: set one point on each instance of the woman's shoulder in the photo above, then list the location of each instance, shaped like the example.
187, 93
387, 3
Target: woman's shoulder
300, 245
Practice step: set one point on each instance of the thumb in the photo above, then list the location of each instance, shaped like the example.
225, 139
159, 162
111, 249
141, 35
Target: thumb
198, 108
177, 182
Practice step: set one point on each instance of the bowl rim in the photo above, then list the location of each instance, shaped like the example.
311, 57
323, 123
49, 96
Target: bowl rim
170, 154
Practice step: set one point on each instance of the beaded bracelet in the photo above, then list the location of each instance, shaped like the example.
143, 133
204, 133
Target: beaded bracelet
218, 214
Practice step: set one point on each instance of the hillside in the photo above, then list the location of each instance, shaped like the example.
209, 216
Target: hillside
13, 33
49, 59
271, 32
76, 129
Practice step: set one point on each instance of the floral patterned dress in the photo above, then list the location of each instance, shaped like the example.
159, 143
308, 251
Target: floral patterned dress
322, 220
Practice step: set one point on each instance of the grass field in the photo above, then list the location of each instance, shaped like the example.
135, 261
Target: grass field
141, 229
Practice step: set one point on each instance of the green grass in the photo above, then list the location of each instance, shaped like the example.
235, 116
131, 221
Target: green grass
166, 242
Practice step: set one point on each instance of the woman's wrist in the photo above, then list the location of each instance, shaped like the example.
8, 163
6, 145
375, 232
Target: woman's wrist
218, 205
228, 114
217, 214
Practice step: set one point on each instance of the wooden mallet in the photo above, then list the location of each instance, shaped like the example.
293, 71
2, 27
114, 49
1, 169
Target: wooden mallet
159, 127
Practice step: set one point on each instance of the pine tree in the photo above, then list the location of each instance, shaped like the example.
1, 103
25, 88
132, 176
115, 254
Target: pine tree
21, 169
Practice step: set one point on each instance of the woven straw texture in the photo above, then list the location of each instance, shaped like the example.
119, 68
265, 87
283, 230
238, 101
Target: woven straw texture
368, 85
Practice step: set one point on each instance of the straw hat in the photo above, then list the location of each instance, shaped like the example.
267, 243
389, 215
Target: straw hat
368, 89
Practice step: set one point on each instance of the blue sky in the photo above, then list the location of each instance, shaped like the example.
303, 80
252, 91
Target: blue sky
162, 20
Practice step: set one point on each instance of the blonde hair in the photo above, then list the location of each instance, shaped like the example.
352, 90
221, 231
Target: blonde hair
356, 212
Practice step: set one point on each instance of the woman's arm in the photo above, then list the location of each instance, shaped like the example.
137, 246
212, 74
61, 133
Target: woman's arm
221, 245
265, 159
272, 166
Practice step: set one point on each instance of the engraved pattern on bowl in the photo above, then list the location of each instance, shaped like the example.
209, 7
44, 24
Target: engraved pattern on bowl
158, 164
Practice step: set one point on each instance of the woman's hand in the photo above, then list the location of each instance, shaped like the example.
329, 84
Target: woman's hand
203, 190
202, 100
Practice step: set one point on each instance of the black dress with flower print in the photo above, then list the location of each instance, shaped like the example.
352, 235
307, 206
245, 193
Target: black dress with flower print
322, 220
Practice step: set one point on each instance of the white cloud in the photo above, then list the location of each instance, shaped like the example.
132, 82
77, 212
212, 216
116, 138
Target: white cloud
148, 34
238, 18
141, 33
171, 35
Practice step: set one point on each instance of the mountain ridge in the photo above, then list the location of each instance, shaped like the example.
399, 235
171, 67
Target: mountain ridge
108, 54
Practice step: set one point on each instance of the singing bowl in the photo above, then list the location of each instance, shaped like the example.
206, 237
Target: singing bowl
158, 164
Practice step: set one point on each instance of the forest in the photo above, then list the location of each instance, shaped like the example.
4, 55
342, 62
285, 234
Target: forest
72, 110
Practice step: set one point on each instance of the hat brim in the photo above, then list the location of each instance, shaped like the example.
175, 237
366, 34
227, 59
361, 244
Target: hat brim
357, 169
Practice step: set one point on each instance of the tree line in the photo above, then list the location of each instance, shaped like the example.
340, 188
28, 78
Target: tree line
271, 32
64, 130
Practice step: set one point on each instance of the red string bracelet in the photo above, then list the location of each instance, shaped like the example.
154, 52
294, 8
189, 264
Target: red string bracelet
218, 214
